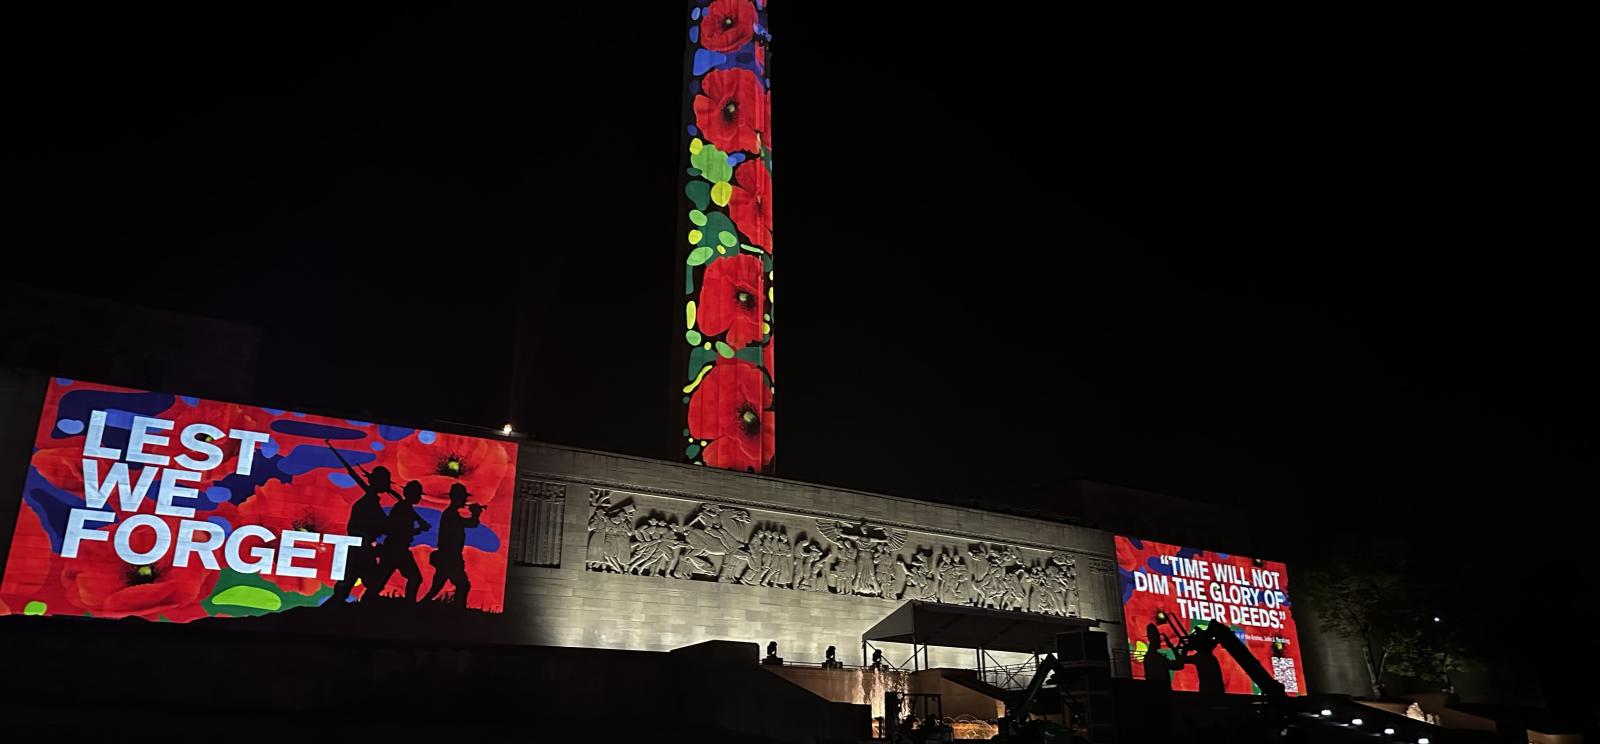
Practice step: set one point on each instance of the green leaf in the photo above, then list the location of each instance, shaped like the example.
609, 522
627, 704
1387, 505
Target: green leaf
699, 357
35, 608
751, 354
691, 451
727, 239
716, 224
698, 192
697, 217
724, 350
712, 163
693, 337
701, 255
251, 597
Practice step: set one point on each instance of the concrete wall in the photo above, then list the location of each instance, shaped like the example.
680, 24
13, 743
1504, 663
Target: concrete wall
573, 606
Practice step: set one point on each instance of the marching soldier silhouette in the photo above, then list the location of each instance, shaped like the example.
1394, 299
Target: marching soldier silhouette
394, 553
447, 561
366, 522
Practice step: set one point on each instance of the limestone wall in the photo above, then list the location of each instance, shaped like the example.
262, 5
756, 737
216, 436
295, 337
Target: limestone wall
823, 564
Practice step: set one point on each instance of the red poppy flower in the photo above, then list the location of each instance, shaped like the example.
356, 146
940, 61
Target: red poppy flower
732, 299
63, 467
310, 504
731, 110
730, 408
751, 203
224, 416
31, 558
727, 25
99, 582
487, 467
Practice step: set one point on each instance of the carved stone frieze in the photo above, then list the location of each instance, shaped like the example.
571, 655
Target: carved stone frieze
716, 542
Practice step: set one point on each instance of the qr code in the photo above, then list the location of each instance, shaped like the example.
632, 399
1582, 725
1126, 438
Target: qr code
1283, 671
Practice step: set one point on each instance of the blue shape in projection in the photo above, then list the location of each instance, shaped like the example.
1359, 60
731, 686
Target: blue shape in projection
705, 60
315, 431
376, 446
308, 457
1153, 563
189, 400
1125, 578
426, 437
694, 34
360, 424
222, 522
52, 505
219, 494
269, 448
342, 480
480, 537
694, 131
263, 469
735, 158
394, 433
120, 409
694, 15
62, 381
274, 411
1136, 543
70, 426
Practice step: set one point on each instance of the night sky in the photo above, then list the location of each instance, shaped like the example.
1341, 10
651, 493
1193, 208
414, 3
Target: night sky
1290, 259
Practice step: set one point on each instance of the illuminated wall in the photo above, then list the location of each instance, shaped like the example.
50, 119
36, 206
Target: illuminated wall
1191, 588
174, 508
727, 345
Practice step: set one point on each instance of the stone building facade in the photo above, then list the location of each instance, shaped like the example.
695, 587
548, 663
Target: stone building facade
656, 556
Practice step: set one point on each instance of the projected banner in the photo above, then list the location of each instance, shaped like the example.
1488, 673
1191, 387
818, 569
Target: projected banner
726, 261
1180, 591
173, 508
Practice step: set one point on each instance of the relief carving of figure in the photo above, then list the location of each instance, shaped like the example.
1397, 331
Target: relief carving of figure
920, 579
808, 566
709, 537
994, 587
867, 546
657, 548
842, 569
1063, 574
618, 547
783, 561
771, 551
599, 511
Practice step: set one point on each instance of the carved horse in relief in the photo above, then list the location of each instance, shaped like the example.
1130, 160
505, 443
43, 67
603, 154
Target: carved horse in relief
711, 538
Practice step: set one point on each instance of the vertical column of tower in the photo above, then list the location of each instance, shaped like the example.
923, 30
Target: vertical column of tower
726, 350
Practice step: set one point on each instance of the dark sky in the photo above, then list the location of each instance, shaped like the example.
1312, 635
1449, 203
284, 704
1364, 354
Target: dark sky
1288, 257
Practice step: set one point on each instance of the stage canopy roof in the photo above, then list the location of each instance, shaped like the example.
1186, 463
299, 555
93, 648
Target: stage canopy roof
959, 626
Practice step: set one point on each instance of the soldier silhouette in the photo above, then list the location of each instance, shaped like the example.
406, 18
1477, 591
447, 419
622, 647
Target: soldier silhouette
366, 522
394, 554
448, 564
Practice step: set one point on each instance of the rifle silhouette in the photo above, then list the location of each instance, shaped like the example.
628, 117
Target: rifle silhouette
357, 476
